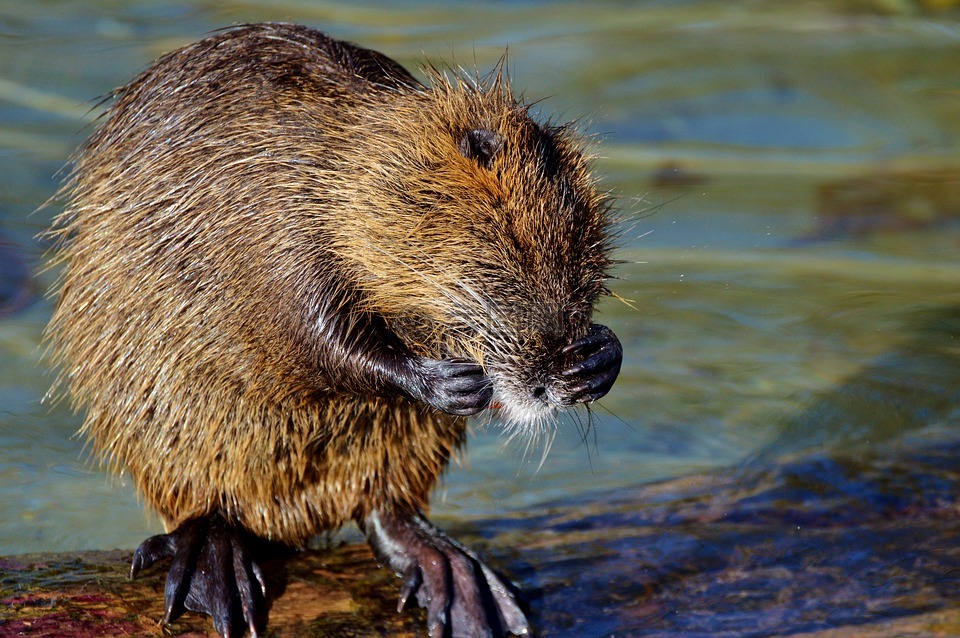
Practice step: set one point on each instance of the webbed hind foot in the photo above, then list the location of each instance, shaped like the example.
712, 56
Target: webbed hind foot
212, 572
463, 597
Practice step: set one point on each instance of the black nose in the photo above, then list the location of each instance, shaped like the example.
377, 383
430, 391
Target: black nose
538, 392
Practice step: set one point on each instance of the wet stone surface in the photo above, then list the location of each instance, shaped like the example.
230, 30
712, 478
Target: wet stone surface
813, 545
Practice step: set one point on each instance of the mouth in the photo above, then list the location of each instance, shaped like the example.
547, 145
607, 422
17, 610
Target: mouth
519, 410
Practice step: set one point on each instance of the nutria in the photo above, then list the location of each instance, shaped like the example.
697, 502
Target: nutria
290, 271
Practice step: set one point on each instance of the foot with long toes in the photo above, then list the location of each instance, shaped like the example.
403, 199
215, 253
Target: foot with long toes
212, 572
463, 597
591, 365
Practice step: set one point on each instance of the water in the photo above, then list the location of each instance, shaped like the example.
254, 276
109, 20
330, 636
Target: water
788, 175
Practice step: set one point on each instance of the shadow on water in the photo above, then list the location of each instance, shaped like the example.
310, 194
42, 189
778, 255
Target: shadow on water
17, 289
855, 527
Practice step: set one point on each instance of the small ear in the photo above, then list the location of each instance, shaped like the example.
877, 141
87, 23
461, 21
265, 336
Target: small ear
481, 145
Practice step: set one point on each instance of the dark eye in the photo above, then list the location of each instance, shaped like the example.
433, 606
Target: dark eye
480, 145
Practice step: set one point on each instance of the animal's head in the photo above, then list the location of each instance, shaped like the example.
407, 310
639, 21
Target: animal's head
486, 236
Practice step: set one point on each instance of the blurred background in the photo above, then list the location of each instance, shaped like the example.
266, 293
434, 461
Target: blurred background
789, 180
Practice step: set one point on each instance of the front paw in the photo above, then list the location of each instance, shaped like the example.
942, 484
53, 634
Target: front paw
212, 572
454, 386
592, 365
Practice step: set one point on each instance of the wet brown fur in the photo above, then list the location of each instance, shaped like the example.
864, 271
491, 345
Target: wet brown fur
248, 186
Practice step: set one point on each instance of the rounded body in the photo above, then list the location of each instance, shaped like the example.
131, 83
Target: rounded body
279, 249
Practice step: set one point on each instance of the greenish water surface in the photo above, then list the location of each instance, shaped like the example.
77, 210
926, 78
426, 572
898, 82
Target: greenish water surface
789, 176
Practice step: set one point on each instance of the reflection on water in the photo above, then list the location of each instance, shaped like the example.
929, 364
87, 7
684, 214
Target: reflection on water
789, 174
914, 386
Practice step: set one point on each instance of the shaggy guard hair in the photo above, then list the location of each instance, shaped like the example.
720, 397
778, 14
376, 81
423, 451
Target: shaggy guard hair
260, 210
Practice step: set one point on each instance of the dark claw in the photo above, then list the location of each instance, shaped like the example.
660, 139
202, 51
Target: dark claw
595, 338
175, 591
454, 386
594, 365
212, 572
463, 597
150, 551
411, 583
248, 593
258, 574
605, 358
608, 355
